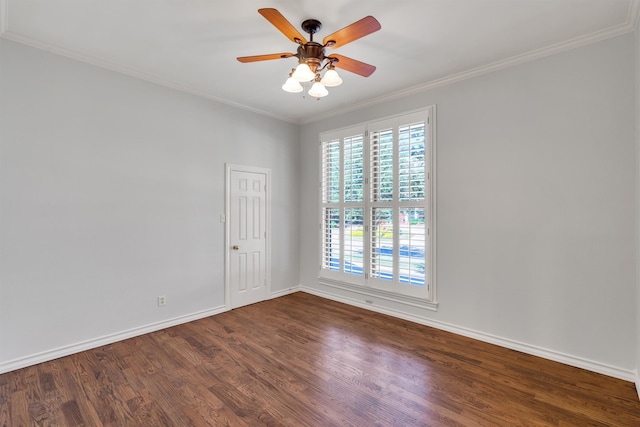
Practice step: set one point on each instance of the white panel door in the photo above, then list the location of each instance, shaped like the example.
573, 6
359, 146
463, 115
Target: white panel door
247, 237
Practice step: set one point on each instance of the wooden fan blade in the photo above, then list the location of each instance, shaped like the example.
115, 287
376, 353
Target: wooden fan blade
358, 29
265, 57
352, 65
281, 23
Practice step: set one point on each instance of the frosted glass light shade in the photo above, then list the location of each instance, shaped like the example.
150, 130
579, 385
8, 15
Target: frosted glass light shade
292, 85
303, 73
331, 78
318, 90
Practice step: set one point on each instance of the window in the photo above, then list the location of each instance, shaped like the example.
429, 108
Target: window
377, 206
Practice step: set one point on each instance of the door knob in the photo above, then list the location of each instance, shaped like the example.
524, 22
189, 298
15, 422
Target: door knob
235, 247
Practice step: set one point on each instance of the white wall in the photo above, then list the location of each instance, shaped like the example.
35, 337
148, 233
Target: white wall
536, 206
111, 192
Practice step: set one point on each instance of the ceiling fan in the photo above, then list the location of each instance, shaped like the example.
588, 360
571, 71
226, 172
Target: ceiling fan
312, 59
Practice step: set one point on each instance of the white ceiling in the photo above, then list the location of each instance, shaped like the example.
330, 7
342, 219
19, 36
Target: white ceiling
192, 45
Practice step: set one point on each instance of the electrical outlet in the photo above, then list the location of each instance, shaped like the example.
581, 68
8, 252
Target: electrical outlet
162, 300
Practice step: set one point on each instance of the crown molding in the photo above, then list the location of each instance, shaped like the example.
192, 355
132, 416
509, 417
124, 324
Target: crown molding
8, 35
567, 45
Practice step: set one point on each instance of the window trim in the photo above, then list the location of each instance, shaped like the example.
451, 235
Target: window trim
367, 286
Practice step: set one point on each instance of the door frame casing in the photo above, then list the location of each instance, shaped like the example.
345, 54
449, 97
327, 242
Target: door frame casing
229, 168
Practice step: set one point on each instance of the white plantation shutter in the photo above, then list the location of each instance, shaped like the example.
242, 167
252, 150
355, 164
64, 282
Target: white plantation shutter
381, 168
353, 241
342, 183
414, 249
331, 171
353, 169
330, 238
381, 244
330, 182
377, 205
411, 162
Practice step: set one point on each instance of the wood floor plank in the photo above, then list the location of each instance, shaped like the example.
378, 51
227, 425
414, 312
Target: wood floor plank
301, 360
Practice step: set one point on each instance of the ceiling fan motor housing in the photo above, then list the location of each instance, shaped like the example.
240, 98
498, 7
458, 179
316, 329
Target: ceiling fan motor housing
312, 53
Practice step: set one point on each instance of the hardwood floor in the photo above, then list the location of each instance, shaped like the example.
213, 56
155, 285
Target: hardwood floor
301, 360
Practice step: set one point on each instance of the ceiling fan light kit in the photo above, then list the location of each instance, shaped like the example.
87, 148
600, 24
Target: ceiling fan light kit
292, 85
331, 77
312, 60
318, 90
303, 73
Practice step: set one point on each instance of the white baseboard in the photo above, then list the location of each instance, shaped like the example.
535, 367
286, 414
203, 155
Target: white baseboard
556, 356
284, 292
48, 355
67, 350
632, 376
638, 383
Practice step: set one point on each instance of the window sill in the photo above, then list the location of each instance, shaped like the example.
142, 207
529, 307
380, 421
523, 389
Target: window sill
387, 296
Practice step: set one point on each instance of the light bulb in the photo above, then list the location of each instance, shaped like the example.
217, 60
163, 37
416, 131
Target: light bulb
318, 90
303, 73
292, 85
331, 78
